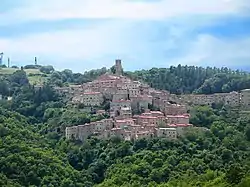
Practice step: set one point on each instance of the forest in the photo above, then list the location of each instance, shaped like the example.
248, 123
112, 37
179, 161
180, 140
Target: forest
34, 151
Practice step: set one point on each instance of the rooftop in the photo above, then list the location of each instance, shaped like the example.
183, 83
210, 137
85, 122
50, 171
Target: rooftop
180, 125
120, 101
170, 129
91, 93
147, 117
125, 120
177, 116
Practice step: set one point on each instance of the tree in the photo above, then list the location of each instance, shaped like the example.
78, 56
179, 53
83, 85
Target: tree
47, 69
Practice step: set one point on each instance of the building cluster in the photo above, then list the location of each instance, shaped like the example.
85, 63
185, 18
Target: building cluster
130, 114
146, 125
137, 110
234, 99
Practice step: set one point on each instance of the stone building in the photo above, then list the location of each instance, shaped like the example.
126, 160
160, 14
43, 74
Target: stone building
92, 98
71, 132
150, 120
232, 99
140, 103
245, 98
173, 109
124, 124
117, 105
125, 113
179, 119
121, 95
82, 132
144, 134
118, 67
180, 128
170, 133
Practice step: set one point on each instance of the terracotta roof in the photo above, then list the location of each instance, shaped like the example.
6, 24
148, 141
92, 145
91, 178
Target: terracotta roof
124, 121
148, 117
179, 125
177, 116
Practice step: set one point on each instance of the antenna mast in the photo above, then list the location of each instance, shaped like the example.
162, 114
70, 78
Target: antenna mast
8, 62
35, 61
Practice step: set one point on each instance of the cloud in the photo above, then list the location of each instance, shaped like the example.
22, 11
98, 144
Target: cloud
207, 50
79, 44
122, 9
143, 34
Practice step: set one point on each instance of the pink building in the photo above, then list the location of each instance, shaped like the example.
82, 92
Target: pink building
153, 113
124, 124
148, 120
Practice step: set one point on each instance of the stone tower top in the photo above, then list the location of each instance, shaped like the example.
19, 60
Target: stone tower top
118, 67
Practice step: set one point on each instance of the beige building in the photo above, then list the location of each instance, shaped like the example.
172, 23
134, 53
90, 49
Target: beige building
71, 132
179, 119
173, 109
124, 113
117, 105
124, 124
141, 102
170, 133
118, 132
92, 98
153, 113
82, 132
180, 128
245, 98
134, 92
121, 95
150, 120
144, 134
232, 98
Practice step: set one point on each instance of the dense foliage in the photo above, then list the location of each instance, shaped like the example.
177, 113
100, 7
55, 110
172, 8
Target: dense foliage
34, 152
188, 79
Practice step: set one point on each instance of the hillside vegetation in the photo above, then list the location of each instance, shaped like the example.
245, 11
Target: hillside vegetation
34, 151
35, 76
189, 79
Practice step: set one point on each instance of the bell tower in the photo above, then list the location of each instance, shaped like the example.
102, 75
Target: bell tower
118, 67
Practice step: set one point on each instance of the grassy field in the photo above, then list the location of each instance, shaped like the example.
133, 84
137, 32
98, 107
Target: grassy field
36, 78
4, 71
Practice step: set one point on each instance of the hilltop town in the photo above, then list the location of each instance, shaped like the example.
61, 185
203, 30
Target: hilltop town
137, 110
91, 128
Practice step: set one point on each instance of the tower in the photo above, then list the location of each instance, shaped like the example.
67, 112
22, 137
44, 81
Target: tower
8, 62
118, 67
35, 61
1, 59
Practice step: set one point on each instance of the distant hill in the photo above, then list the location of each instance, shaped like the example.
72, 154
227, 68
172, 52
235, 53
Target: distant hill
35, 76
245, 68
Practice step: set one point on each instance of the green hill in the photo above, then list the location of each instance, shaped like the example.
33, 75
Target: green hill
34, 151
35, 76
